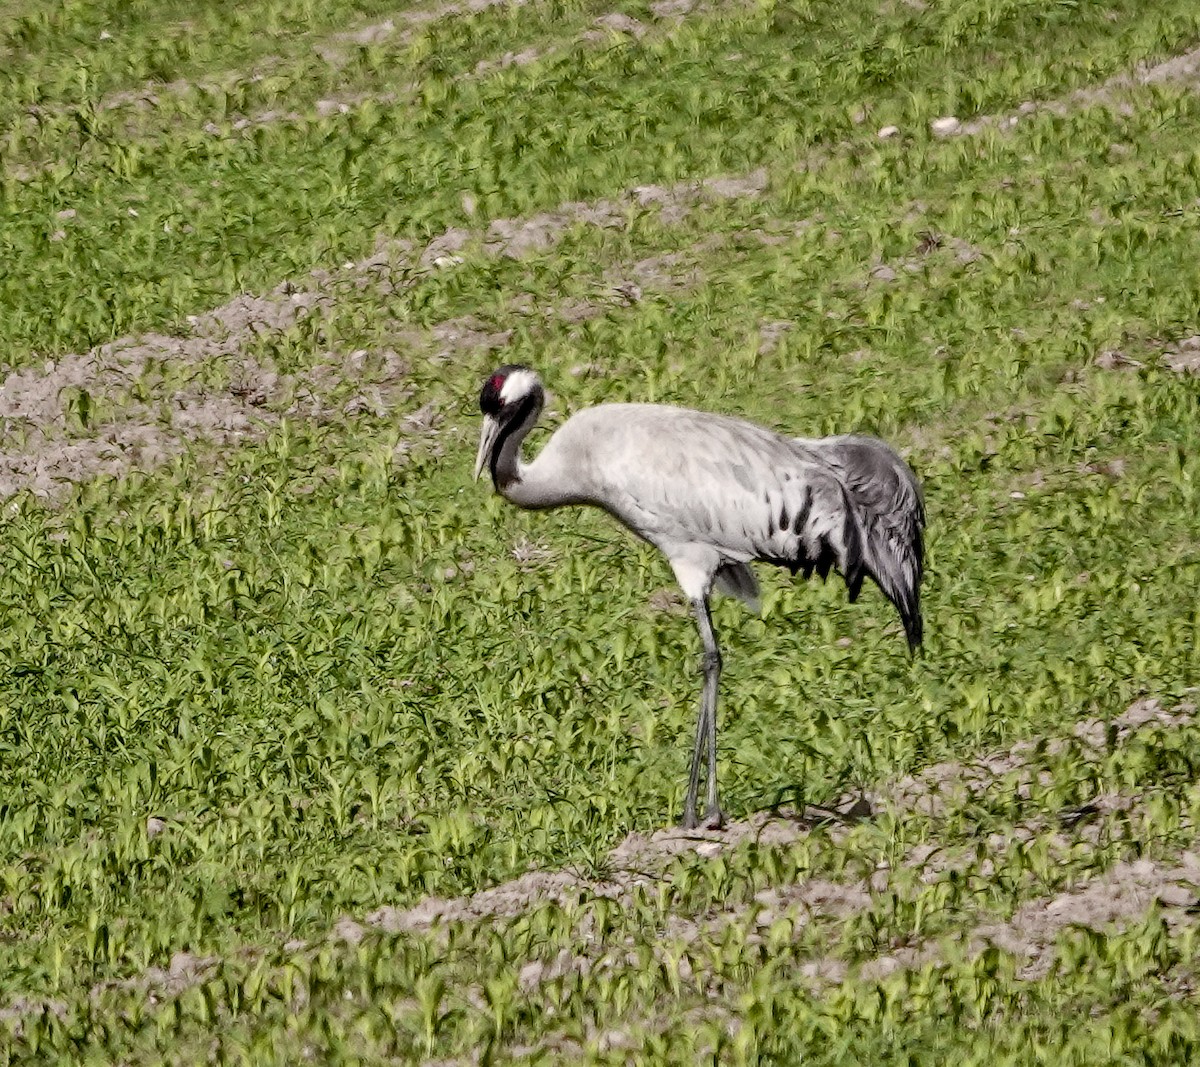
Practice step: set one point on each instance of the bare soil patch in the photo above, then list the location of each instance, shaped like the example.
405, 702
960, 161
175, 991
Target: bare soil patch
1184, 356
1107, 903
1115, 899
401, 25
153, 401
394, 31
1182, 70
640, 858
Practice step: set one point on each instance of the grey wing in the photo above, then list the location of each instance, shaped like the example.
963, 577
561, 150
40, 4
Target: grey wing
708, 487
682, 477
877, 479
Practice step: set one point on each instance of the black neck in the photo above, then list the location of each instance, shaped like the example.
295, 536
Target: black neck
504, 461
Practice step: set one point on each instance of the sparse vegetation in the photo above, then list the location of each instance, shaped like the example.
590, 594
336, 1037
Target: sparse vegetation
310, 750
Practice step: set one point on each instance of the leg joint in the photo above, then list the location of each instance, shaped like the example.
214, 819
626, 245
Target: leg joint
712, 660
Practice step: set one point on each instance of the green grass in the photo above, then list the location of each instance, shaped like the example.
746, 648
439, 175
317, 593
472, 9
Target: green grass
313, 660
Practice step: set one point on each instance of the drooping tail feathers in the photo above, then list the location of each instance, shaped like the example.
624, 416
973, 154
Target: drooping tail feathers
885, 516
894, 551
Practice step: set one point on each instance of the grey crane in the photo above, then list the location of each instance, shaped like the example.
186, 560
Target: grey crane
713, 493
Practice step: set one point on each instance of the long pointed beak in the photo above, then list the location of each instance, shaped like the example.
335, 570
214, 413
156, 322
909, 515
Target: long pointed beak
487, 439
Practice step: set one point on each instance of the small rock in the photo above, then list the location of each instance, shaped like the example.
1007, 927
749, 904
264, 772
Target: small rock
620, 23
155, 826
945, 126
888, 131
530, 975
1177, 896
1183, 362
1113, 358
348, 930
666, 8
880, 967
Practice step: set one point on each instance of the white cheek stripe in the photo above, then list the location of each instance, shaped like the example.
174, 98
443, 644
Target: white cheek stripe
518, 384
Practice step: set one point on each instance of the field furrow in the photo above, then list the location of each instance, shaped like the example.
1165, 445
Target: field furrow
312, 749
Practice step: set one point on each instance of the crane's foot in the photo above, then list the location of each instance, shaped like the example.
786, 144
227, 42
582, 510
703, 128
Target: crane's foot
713, 819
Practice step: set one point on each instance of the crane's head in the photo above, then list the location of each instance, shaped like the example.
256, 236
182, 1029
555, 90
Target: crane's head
510, 396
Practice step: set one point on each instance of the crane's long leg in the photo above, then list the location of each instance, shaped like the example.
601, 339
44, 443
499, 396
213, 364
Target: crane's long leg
706, 727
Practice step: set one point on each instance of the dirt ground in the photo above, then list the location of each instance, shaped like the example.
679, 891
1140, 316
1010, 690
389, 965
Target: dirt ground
46, 446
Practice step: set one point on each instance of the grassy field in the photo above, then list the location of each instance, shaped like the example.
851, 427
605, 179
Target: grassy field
312, 750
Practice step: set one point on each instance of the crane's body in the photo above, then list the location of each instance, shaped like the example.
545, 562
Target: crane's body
713, 494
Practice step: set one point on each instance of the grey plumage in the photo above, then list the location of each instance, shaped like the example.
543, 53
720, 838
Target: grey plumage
887, 502
714, 493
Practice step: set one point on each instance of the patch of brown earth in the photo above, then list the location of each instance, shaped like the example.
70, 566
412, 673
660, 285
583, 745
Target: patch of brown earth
395, 31
771, 334
667, 600
184, 971
928, 243
1184, 356
44, 451
935, 788
335, 49
607, 27
15, 1012
1182, 70
38, 454
509, 59
1118, 897
665, 9
632, 863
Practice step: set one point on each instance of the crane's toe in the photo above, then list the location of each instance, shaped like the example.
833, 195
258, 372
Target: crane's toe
714, 819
